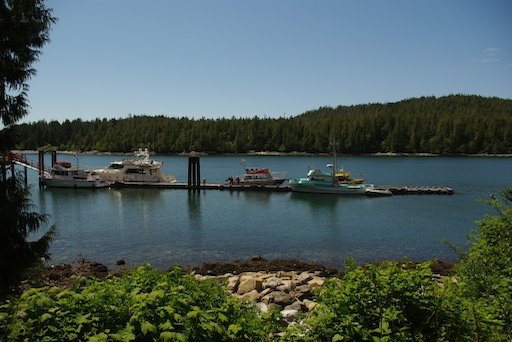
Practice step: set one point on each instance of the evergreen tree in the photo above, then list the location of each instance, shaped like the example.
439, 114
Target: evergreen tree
24, 29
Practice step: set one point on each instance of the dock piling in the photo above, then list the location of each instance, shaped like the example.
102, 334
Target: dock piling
194, 173
54, 158
41, 167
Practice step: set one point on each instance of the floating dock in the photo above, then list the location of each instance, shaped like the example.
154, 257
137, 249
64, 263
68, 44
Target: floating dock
194, 182
395, 189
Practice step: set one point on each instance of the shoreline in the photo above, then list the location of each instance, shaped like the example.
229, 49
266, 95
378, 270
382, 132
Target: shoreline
282, 154
56, 274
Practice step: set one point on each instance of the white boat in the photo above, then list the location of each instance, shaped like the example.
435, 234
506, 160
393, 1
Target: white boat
258, 176
140, 169
66, 175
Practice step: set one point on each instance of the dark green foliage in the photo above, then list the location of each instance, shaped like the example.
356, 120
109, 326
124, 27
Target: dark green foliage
485, 275
24, 30
447, 125
141, 305
18, 221
388, 302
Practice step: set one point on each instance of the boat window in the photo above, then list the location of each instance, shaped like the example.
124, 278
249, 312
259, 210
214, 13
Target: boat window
134, 171
116, 166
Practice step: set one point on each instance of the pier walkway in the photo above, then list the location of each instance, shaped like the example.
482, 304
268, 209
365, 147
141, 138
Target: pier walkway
395, 189
194, 182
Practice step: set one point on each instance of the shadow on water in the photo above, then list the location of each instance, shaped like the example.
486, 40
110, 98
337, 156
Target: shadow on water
194, 209
257, 196
323, 200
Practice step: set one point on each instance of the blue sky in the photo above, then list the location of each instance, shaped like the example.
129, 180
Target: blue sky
224, 58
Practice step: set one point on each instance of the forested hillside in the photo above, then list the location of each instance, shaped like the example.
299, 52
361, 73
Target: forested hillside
452, 124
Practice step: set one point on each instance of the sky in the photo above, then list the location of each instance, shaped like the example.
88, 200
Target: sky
265, 58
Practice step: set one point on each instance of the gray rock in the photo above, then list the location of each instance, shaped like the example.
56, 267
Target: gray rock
272, 282
252, 296
297, 305
289, 315
316, 282
262, 306
248, 285
310, 305
304, 289
303, 277
233, 282
280, 297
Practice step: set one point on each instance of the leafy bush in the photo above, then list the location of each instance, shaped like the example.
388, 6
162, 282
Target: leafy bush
144, 304
484, 274
388, 302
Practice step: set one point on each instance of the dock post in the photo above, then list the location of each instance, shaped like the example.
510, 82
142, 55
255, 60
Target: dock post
26, 176
13, 174
41, 167
194, 173
4, 173
54, 158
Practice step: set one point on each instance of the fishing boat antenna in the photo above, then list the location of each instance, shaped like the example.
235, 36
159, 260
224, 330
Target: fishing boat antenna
335, 167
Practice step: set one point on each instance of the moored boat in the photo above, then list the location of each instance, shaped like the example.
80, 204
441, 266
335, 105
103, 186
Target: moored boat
140, 169
317, 181
66, 175
258, 176
333, 182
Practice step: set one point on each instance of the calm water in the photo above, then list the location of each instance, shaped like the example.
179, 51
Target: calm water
165, 227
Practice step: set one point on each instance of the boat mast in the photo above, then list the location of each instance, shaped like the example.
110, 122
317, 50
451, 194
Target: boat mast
334, 166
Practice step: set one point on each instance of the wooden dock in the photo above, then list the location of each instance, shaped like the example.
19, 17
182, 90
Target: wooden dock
194, 182
417, 190
395, 189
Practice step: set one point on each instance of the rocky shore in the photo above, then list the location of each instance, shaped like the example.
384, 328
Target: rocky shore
286, 285
290, 292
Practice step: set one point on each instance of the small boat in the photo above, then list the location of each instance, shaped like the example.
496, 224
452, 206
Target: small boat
320, 182
334, 182
345, 177
258, 176
140, 169
66, 175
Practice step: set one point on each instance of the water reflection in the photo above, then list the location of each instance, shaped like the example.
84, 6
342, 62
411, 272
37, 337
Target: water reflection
194, 209
257, 196
142, 201
317, 202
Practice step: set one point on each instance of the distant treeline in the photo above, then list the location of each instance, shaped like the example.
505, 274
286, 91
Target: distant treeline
450, 125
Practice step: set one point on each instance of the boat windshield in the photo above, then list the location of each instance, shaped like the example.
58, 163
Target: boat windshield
116, 166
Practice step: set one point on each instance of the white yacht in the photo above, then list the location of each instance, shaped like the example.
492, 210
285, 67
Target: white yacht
65, 175
140, 169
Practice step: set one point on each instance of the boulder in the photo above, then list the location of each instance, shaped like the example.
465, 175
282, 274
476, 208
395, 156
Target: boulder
316, 282
248, 285
262, 306
297, 305
233, 282
272, 282
303, 277
252, 296
289, 315
310, 305
280, 297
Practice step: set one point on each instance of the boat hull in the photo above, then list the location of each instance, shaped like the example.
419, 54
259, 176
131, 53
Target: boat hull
307, 186
263, 182
64, 183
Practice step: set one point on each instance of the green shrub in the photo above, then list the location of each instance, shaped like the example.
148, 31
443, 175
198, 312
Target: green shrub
388, 302
144, 304
484, 275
